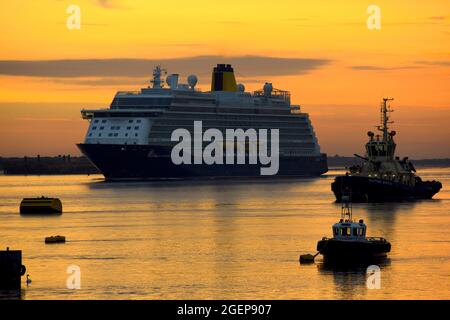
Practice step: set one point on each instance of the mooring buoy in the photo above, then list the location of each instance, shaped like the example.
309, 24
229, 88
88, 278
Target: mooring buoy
307, 258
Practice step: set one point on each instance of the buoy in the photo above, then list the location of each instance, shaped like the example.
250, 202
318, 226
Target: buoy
55, 239
307, 258
28, 281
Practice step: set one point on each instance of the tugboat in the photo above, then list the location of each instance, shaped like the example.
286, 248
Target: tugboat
382, 176
349, 243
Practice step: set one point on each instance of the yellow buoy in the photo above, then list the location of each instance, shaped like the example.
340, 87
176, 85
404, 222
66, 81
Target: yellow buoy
307, 258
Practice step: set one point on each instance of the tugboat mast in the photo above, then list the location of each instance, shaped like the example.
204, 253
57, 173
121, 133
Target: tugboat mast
346, 208
385, 110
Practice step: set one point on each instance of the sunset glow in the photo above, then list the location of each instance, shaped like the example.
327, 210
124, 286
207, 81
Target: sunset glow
349, 68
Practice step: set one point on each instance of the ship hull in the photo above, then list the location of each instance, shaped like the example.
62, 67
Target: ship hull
142, 162
365, 189
347, 252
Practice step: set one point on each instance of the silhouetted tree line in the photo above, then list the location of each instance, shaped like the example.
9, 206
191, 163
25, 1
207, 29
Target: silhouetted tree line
61, 164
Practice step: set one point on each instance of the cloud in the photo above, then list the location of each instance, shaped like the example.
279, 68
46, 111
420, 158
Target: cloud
379, 68
437, 18
231, 22
418, 65
296, 19
187, 45
100, 81
442, 63
107, 4
371, 68
112, 81
104, 3
42, 119
434, 21
411, 23
245, 66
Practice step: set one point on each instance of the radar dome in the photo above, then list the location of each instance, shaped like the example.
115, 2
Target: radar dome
192, 81
241, 87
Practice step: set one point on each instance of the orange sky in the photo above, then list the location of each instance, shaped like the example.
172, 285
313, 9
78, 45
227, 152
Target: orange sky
350, 67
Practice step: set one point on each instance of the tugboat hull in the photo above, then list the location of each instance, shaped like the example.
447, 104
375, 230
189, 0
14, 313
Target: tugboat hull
346, 252
365, 189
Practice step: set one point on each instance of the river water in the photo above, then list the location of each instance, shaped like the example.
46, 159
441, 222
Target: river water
218, 239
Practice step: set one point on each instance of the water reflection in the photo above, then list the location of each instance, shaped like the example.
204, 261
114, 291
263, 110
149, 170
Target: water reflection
350, 282
215, 239
383, 216
186, 183
189, 195
12, 294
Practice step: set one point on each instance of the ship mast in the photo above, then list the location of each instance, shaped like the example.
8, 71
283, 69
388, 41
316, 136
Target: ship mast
385, 110
157, 81
346, 207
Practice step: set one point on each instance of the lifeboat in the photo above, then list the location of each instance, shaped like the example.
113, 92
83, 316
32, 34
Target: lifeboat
42, 205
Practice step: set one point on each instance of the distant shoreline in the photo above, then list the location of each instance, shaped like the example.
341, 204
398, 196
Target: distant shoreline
342, 162
66, 164
41, 165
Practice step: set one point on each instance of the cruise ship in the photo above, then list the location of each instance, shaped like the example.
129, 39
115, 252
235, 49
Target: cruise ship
133, 139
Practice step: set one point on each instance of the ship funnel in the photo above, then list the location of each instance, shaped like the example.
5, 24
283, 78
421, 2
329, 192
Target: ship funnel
223, 78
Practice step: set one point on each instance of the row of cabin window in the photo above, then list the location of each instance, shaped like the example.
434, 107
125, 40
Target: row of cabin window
129, 121
114, 128
346, 231
112, 135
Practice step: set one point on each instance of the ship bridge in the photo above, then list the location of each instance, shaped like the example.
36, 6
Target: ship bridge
380, 149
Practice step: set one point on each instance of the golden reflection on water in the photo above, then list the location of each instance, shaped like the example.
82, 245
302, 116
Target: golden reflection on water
217, 239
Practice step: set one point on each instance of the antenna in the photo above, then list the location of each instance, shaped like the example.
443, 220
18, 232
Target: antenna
346, 208
385, 110
157, 81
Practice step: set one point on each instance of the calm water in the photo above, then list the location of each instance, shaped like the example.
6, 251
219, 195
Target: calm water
218, 240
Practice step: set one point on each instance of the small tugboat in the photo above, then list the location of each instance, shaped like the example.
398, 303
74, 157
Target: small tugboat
349, 243
42, 205
382, 176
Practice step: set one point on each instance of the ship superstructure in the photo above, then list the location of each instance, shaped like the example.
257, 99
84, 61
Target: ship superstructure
132, 138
